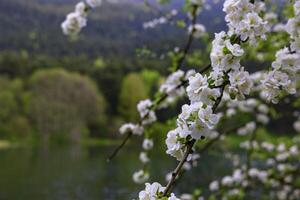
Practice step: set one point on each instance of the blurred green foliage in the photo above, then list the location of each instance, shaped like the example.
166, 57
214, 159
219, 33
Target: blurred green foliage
63, 104
132, 91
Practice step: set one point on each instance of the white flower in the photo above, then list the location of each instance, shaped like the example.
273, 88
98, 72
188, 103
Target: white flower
81, 9
186, 197
198, 30
196, 84
206, 116
281, 147
262, 118
148, 115
273, 82
147, 144
237, 176
297, 126
173, 197
140, 176
144, 157
171, 84
263, 108
247, 129
271, 18
199, 129
267, 146
131, 128
227, 181
297, 7
73, 24
175, 148
286, 61
151, 191
282, 156
294, 150
235, 49
94, 3
214, 186
198, 90
243, 19
240, 83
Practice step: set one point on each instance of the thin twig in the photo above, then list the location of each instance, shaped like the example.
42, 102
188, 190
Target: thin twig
190, 39
179, 166
115, 152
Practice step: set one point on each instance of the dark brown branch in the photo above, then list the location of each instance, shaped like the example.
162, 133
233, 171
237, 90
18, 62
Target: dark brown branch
175, 173
115, 152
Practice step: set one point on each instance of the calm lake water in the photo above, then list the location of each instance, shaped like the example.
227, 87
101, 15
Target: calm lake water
82, 173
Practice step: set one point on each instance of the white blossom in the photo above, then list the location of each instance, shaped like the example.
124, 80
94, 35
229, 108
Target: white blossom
199, 91
243, 19
144, 157
140, 176
175, 147
73, 24
146, 113
94, 3
198, 30
133, 128
171, 84
147, 144
214, 186
297, 126
152, 191
240, 83
81, 9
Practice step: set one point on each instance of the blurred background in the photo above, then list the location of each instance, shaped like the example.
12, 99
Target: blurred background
62, 100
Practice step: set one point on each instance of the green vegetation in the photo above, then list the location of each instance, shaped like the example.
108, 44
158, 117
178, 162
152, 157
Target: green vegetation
63, 104
133, 90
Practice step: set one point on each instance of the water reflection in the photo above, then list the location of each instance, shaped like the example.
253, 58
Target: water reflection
80, 172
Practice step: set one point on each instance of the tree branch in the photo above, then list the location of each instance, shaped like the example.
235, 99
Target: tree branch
190, 39
189, 147
159, 101
115, 152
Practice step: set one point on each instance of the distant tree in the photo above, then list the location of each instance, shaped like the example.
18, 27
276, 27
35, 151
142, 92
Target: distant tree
133, 90
13, 121
151, 79
62, 104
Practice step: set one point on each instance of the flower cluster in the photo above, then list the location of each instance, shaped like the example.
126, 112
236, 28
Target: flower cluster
76, 20
286, 67
293, 28
243, 18
248, 106
276, 174
199, 90
198, 118
173, 86
195, 121
154, 192
161, 20
141, 176
225, 58
146, 113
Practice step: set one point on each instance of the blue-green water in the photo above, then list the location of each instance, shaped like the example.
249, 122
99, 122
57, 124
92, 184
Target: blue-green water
82, 173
